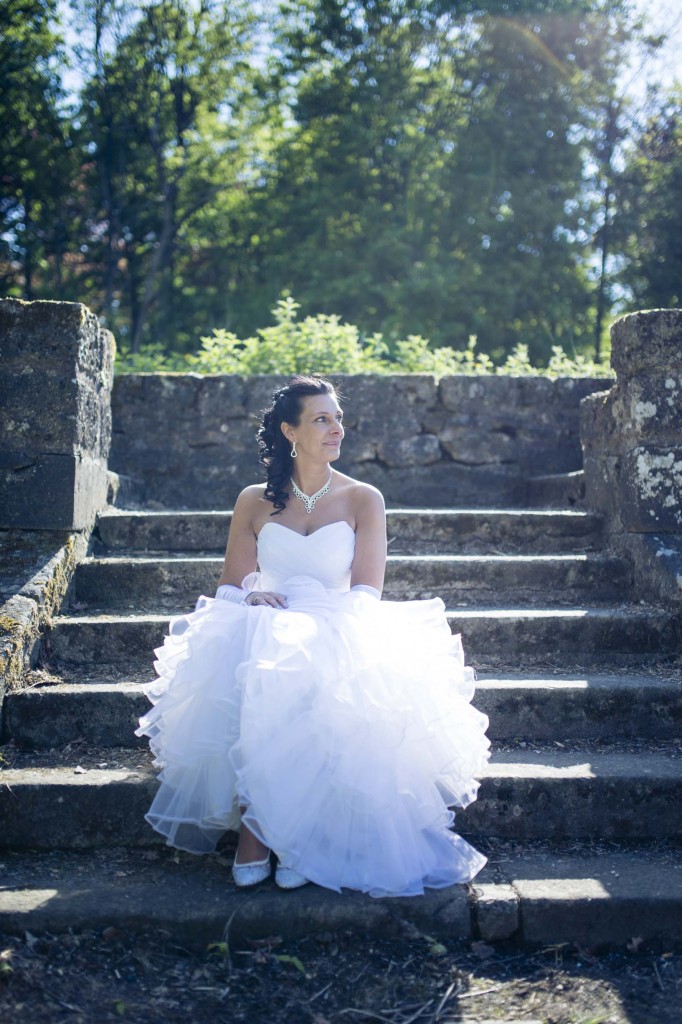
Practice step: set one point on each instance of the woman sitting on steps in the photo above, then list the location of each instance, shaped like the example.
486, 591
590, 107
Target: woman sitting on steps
329, 727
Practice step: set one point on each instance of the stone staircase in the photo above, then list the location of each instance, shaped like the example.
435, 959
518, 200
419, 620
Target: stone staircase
578, 811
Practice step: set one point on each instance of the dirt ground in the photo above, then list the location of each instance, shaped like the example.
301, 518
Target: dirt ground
330, 979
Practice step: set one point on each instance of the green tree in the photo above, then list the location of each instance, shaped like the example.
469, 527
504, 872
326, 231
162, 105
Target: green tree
167, 119
514, 188
433, 179
37, 158
441, 168
649, 220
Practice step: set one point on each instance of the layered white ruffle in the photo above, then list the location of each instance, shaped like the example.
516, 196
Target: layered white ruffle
342, 724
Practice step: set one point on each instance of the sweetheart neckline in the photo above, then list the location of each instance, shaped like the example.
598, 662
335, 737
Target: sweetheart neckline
306, 536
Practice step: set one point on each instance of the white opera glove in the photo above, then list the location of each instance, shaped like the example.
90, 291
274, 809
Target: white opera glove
366, 589
227, 592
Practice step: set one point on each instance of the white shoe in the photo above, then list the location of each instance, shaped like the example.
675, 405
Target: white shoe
287, 878
252, 873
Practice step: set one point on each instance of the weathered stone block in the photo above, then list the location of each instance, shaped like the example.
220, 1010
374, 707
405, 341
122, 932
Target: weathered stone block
444, 484
475, 448
56, 492
598, 429
651, 490
222, 399
23, 392
651, 408
657, 558
496, 911
36, 567
602, 481
466, 392
632, 442
418, 450
647, 344
387, 414
56, 426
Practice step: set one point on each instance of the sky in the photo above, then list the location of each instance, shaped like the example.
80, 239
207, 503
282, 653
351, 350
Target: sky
660, 16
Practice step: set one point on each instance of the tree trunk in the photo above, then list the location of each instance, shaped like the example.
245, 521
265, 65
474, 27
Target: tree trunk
160, 262
28, 254
611, 134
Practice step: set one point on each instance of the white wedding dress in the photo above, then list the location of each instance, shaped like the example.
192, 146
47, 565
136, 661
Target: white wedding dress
342, 724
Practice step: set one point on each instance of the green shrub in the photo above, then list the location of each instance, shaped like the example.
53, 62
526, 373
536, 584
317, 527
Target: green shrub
318, 344
415, 356
151, 359
323, 344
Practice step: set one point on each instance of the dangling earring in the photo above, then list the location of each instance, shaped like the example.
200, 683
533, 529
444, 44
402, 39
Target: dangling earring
294, 453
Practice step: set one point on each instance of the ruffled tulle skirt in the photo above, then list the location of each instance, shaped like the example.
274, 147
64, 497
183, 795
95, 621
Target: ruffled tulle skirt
342, 725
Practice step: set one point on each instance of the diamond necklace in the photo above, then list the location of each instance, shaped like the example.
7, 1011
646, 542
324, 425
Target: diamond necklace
310, 499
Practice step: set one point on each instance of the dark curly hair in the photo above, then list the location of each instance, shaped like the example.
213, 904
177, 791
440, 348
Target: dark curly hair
274, 451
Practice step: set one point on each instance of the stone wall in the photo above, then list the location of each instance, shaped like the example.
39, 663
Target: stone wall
187, 441
632, 441
37, 567
55, 428
55, 431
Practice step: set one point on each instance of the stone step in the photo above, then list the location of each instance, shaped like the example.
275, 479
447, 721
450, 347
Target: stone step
556, 490
410, 531
588, 794
592, 707
584, 794
529, 894
494, 639
99, 714
157, 584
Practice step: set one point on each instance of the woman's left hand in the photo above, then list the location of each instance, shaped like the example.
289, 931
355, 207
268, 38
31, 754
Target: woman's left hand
266, 597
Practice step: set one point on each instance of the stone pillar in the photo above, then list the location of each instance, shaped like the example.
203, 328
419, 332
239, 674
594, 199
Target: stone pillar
55, 422
632, 445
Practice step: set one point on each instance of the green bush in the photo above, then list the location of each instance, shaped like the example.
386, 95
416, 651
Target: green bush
318, 344
151, 359
322, 344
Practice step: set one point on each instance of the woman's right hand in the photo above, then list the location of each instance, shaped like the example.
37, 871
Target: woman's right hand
268, 597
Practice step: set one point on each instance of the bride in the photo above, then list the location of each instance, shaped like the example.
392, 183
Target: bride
325, 725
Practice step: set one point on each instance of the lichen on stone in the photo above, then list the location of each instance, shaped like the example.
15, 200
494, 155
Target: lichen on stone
644, 411
658, 472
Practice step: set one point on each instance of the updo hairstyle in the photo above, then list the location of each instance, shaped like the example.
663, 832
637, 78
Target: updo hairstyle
274, 450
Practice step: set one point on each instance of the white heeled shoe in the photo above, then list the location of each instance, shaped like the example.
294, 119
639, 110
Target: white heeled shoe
252, 873
287, 878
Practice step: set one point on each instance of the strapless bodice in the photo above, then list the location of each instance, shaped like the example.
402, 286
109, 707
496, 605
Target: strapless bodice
325, 555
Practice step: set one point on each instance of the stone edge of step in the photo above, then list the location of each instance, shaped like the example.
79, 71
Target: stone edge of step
508, 765
113, 514
145, 526
101, 712
629, 612
590, 682
532, 898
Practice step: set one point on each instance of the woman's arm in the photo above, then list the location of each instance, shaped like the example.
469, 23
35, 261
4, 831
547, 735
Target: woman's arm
240, 555
369, 562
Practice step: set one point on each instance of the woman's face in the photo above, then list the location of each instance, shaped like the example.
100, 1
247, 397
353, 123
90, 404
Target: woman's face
319, 432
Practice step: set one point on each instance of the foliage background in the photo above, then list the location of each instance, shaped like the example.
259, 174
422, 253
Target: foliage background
425, 169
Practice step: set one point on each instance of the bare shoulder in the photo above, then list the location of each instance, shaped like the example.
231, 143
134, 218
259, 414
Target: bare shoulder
249, 503
364, 498
369, 499
251, 495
